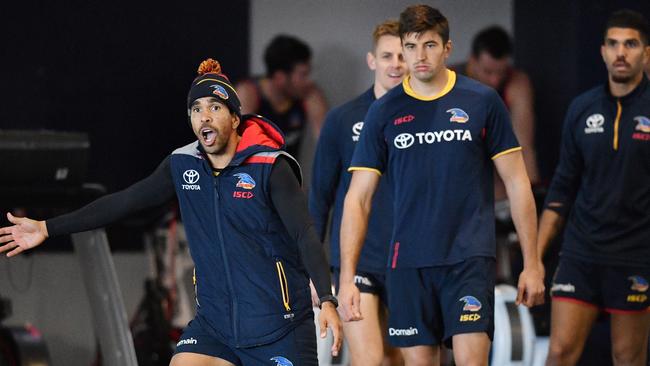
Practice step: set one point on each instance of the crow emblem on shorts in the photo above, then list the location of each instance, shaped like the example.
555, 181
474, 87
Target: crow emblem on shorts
281, 361
471, 303
638, 283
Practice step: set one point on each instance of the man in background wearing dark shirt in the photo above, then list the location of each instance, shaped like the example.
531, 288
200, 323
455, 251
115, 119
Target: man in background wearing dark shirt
601, 188
286, 94
491, 63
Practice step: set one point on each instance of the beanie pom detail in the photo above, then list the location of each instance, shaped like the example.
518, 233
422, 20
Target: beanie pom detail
209, 66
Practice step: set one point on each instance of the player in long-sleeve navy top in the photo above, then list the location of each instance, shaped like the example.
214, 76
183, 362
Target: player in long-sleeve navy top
601, 189
330, 182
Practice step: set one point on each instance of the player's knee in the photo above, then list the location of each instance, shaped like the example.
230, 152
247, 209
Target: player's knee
470, 359
418, 362
418, 359
471, 363
370, 353
561, 353
624, 353
363, 358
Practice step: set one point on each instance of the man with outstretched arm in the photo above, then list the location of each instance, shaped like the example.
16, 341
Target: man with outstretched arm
247, 225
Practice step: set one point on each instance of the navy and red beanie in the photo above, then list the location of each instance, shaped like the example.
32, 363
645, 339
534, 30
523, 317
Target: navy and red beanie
212, 83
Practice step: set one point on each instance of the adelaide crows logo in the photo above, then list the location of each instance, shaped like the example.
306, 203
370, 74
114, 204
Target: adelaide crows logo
281, 361
219, 91
643, 124
638, 283
458, 115
245, 181
471, 303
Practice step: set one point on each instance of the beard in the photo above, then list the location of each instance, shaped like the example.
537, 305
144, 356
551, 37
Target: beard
622, 79
626, 75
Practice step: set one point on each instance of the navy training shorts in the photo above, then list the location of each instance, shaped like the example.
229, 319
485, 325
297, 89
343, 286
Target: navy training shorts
296, 348
614, 289
428, 306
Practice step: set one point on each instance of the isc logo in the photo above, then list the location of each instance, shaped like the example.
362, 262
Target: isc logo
636, 298
404, 119
469, 317
245, 195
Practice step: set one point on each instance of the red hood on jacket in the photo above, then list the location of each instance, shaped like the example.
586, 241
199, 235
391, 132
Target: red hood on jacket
258, 134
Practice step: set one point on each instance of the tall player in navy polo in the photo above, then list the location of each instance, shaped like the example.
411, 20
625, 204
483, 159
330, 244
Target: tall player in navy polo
438, 136
601, 188
330, 181
247, 225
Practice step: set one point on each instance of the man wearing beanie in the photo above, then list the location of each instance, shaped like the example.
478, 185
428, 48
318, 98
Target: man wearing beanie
247, 225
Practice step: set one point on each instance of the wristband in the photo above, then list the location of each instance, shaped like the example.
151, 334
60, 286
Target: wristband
330, 298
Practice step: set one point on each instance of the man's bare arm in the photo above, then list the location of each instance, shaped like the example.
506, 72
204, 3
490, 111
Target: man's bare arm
512, 171
356, 210
316, 109
550, 225
519, 96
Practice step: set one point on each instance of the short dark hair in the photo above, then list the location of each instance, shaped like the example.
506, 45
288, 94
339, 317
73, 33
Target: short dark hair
494, 40
626, 18
422, 18
284, 52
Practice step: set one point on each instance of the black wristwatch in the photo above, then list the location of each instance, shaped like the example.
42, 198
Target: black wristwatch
330, 298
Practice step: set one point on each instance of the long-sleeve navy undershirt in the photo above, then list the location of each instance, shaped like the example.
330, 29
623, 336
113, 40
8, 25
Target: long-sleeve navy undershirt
156, 189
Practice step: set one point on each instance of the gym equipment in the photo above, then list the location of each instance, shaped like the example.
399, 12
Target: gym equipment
514, 332
54, 178
107, 307
168, 304
21, 346
56, 159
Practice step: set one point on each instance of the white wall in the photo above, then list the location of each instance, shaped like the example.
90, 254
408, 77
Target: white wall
340, 33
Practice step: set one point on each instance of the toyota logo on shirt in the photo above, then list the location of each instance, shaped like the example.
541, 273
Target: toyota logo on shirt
595, 123
191, 176
403, 140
